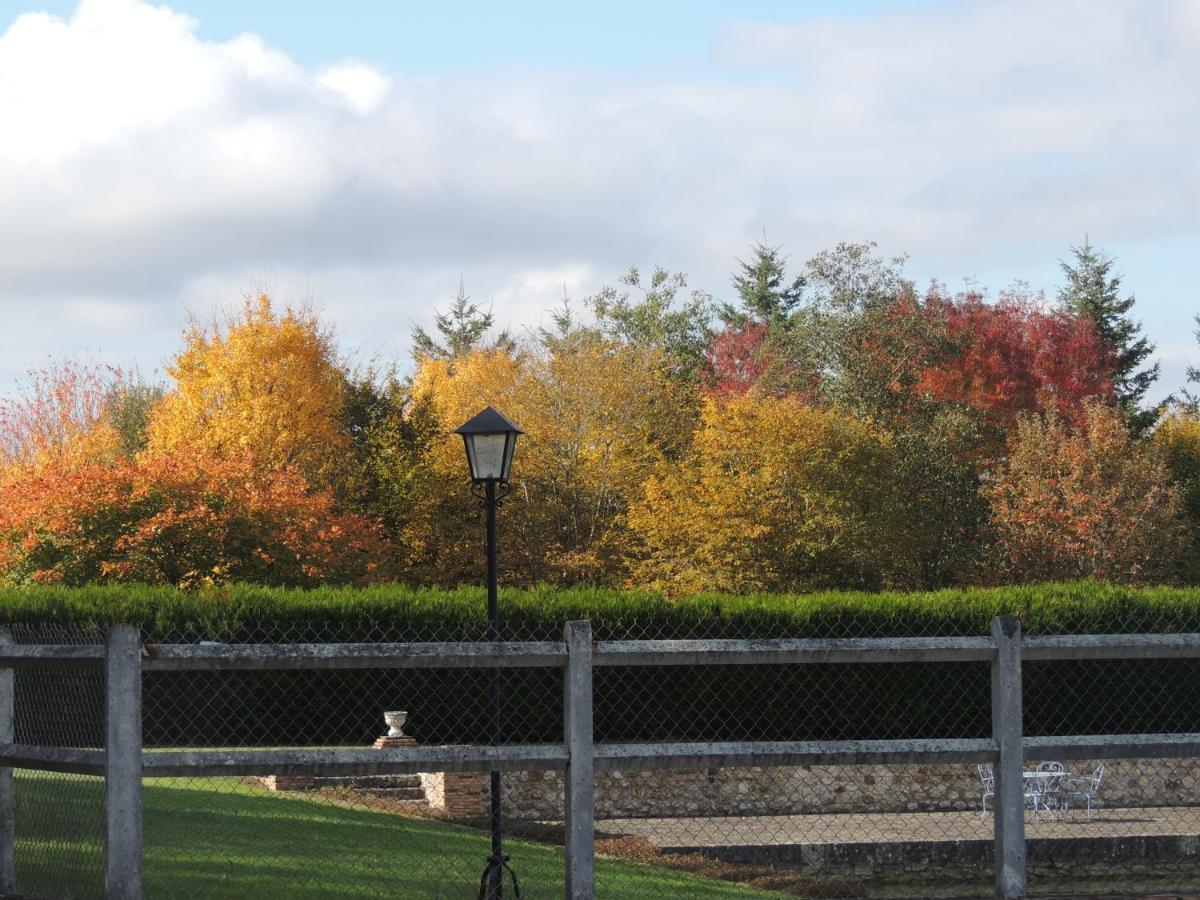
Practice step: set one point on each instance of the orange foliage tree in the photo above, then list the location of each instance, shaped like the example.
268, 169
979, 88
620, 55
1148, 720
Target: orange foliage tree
1085, 502
60, 411
183, 518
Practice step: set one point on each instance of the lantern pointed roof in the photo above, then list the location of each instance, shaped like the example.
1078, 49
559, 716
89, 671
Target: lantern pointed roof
490, 421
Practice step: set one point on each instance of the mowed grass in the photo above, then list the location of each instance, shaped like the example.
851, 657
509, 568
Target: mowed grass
219, 838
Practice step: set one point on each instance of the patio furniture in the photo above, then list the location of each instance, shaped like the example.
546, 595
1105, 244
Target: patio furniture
1085, 788
1041, 787
1034, 789
1051, 788
988, 780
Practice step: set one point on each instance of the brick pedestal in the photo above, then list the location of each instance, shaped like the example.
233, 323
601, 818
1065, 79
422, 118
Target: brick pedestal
289, 782
400, 740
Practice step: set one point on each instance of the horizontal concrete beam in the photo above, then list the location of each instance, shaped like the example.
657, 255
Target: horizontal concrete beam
1113, 746
791, 753
387, 761
638, 756
1111, 646
797, 651
552, 654
450, 655
52, 759
25, 656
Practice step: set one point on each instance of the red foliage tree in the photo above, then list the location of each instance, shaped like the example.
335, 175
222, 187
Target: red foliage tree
752, 357
738, 358
1015, 356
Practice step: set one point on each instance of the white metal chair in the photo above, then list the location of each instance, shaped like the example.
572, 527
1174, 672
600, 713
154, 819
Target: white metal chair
988, 780
1034, 797
1085, 788
1051, 789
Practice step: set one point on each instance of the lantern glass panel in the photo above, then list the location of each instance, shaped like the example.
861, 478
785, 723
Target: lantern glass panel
489, 457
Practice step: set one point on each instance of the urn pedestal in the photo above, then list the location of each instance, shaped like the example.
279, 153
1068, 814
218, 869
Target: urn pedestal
395, 736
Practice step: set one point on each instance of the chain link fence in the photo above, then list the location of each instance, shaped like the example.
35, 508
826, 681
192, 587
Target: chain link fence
894, 830
59, 816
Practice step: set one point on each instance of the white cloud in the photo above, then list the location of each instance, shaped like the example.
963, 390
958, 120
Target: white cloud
141, 166
361, 87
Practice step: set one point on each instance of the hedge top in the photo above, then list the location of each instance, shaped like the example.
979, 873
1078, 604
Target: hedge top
248, 613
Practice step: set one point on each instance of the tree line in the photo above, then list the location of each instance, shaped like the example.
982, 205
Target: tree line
832, 426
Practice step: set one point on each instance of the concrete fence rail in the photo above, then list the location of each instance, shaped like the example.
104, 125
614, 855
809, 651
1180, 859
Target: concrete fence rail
123, 762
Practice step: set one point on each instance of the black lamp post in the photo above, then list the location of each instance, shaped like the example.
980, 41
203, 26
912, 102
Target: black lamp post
490, 439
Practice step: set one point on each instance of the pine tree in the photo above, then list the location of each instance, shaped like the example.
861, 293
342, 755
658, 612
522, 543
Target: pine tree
1189, 400
1093, 291
765, 293
462, 327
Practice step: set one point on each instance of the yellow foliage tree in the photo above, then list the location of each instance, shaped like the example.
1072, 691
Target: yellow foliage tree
265, 384
1178, 440
774, 495
598, 418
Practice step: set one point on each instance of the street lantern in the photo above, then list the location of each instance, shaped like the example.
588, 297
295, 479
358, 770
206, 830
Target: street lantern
490, 439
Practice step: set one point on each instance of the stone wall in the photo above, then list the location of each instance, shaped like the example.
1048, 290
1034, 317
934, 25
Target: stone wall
788, 790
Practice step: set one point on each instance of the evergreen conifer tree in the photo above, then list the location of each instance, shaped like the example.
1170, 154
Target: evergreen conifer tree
462, 327
765, 293
1093, 290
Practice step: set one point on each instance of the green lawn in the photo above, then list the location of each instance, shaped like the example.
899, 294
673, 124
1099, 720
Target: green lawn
220, 838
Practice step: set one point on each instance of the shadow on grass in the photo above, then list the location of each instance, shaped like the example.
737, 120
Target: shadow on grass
220, 838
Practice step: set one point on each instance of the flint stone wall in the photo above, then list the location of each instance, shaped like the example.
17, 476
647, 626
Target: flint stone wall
791, 790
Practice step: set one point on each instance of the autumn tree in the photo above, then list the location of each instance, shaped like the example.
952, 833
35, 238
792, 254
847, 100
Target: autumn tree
1085, 502
775, 495
265, 384
599, 415
59, 411
739, 358
1093, 291
1017, 356
182, 518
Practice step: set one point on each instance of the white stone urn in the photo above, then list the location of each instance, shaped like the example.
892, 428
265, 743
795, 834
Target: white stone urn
395, 722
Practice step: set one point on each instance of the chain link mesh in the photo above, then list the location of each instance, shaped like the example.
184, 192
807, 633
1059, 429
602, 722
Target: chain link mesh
59, 846
892, 830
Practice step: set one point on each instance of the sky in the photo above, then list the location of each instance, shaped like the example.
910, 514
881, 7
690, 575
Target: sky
365, 156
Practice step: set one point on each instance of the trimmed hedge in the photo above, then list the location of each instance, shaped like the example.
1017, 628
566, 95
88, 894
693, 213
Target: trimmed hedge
763, 703
398, 612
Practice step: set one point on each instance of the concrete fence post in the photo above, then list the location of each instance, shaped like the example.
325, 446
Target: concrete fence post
8, 823
123, 763
1007, 730
579, 780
